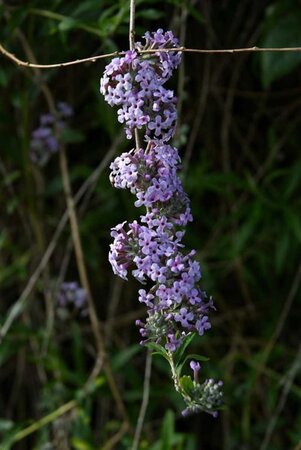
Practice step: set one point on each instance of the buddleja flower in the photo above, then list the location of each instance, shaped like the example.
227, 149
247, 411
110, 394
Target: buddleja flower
44, 140
71, 295
151, 175
135, 85
166, 61
152, 250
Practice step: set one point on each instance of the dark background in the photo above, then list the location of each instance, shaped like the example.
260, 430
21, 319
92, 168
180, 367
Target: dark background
239, 139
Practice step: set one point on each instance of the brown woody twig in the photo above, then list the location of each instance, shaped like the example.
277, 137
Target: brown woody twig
93, 59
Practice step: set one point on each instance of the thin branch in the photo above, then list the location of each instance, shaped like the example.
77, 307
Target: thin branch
62, 410
132, 24
21, 63
112, 307
45, 420
176, 379
282, 400
145, 398
79, 250
20, 303
298, 446
283, 316
93, 59
111, 443
132, 46
74, 225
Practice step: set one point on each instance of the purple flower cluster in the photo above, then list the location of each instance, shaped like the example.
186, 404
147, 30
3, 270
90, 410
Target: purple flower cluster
71, 294
135, 85
152, 250
166, 62
151, 175
44, 140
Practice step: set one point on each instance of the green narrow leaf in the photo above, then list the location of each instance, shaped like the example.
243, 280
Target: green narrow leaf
283, 31
6, 425
79, 444
67, 24
186, 383
124, 356
188, 357
77, 347
151, 14
168, 429
294, 223
70, 136
157, 349
196, 14
282, 249
179, 353
293, 179
246, 231
4, 79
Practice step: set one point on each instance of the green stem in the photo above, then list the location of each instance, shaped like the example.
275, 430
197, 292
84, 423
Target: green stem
61, 17
45, 420
176, 379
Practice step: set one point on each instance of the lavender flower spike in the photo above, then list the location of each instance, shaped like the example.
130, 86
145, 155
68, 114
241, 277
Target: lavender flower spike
152, 250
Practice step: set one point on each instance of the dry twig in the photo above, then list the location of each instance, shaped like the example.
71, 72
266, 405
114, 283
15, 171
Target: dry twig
93, 59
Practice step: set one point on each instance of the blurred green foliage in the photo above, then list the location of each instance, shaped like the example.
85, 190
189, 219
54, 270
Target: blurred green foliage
239, 136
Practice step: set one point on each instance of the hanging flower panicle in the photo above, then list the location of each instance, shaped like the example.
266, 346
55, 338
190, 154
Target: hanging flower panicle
152, 250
